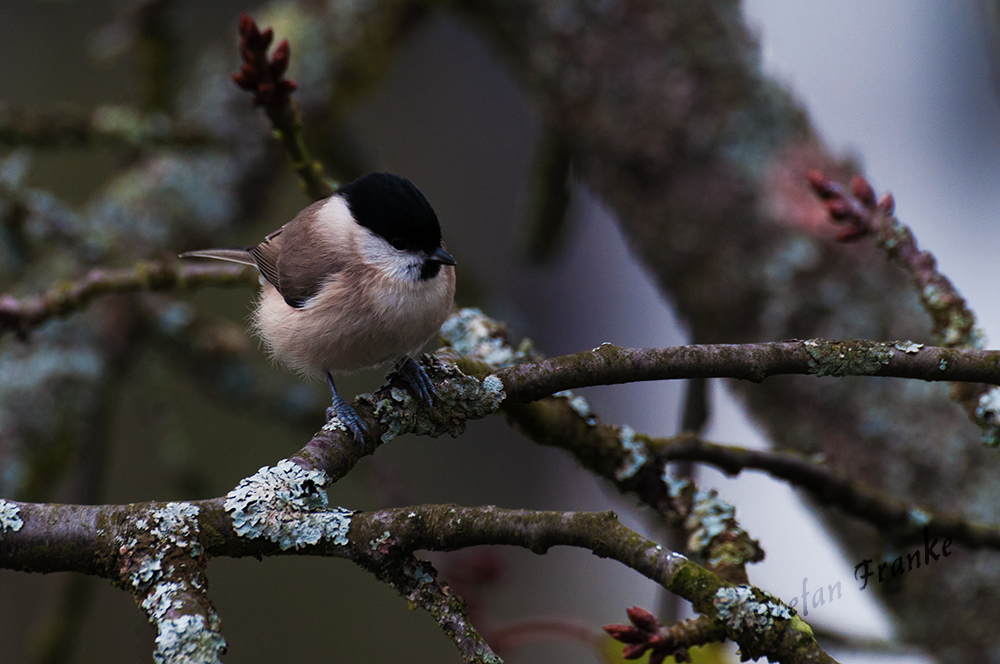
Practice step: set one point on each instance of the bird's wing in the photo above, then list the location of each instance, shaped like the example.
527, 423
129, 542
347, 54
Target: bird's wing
296, 259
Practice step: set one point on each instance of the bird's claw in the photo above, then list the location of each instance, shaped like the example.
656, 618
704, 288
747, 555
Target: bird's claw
345, 413
420, 383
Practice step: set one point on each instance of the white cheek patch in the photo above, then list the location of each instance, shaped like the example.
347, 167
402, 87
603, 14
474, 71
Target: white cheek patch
400, 265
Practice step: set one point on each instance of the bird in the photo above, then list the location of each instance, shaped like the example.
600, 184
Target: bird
354, 281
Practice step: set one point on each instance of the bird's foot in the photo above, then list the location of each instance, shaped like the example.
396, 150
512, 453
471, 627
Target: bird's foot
343, 411
420, 383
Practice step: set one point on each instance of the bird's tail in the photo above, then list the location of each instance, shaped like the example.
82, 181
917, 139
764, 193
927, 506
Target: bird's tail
233, 255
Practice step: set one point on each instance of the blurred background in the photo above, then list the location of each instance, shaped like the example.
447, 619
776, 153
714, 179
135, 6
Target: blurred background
909, 88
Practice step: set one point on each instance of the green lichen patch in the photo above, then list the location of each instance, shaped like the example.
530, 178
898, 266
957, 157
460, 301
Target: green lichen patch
988, 417
848, 358
635, 454
287, 504
475, 335
908, 346
753, 618
458, 399
715, 535
397, 413
182, 636
10, 517
580, 405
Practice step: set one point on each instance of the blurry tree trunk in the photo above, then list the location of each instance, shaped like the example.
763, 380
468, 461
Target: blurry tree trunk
703, 159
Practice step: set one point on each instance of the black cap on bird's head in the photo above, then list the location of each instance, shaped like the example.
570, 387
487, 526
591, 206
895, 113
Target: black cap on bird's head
392, 207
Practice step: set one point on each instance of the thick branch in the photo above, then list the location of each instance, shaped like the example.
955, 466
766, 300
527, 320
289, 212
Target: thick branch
242, 525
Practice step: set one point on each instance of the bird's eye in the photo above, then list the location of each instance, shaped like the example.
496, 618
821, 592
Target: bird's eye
399, 244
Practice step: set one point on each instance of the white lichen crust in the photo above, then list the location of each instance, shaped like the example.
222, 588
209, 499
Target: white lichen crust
751, 616
580, 405
169, 527
458, 399
287, 504
675, 485
186, 631
10, 517
182, 636
177, 523
477, 336
635, 454
710, 516
988, 416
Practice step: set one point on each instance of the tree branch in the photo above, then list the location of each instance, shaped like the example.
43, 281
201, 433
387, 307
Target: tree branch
416, 580
104, 126
282, 510
566, 421
21, 315
265, 77
610, 365
954, 322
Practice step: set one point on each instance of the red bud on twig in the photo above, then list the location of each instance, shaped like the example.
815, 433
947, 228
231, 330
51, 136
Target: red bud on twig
862, 190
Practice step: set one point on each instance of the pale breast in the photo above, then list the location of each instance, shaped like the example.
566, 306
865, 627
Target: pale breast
339, 331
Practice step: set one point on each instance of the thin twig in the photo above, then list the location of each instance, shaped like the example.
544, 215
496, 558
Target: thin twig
646, 633
105, 126
21, 315
265, 77
416, 580
861, 215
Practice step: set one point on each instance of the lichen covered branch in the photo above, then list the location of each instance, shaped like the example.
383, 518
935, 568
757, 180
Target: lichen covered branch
634, 462
609, 364
160, 549
759, 623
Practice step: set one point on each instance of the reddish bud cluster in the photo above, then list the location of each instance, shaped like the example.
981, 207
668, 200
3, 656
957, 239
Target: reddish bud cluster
646, 633
856, 210
263, 76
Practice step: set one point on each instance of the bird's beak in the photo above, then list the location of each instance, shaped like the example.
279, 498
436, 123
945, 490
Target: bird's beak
442, 256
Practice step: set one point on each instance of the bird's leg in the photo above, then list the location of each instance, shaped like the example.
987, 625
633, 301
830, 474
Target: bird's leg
414, 374
342, 410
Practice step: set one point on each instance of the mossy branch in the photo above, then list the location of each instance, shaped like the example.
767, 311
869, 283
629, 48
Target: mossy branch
611, 365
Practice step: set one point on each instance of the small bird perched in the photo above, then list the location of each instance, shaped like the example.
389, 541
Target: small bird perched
354, 281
